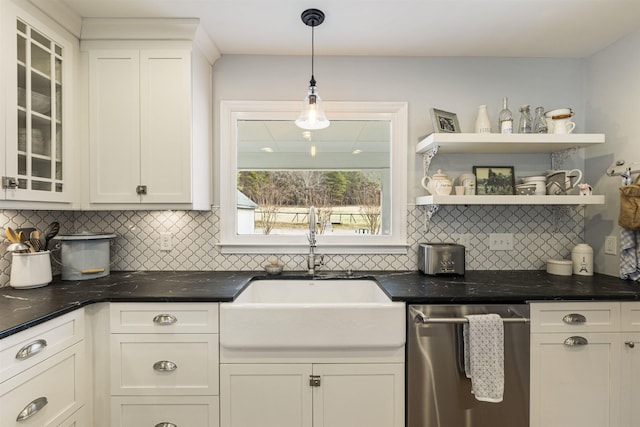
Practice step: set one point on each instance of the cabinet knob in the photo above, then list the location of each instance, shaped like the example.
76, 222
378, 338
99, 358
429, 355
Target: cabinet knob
573, 318
630, 344
166, 425
165, 366
575, 341
165, 319
31, 349
141, 190
32, 408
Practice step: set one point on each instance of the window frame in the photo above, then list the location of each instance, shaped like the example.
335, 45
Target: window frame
231, 242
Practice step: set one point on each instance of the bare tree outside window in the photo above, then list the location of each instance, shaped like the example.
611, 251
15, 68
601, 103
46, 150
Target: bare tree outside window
345, 201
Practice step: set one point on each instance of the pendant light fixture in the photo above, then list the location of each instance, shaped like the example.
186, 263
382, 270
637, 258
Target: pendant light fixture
312, 115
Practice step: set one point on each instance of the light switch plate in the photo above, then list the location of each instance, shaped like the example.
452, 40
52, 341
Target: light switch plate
611, 245
501, 242
166, 241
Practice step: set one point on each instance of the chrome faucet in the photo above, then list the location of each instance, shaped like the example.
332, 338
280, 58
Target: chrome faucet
313, 260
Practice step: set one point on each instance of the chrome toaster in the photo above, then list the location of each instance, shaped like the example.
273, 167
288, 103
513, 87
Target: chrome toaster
441, 258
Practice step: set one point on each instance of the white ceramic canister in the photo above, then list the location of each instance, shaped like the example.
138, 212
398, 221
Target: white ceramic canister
582, 258
30, 269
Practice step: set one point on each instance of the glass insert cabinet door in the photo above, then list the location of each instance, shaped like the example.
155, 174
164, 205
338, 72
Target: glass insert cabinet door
39, 112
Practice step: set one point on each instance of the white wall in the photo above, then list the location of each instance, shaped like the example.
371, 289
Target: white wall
613, 107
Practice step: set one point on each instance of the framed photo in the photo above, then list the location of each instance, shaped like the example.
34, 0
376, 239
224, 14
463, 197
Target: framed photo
494, 180
444, 122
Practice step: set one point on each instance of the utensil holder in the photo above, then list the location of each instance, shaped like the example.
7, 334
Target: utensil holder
30, 270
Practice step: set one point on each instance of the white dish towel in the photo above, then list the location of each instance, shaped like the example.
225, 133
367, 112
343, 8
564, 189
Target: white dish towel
484, 356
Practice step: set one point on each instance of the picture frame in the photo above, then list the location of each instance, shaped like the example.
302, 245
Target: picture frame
444, 121
495, 180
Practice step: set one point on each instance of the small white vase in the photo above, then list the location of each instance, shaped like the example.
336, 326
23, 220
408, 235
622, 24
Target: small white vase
483, 124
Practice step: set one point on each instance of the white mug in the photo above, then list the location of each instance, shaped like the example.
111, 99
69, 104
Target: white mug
585, 189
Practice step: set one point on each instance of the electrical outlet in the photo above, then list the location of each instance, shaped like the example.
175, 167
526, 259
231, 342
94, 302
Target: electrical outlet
501, 242
611, 245
464, 240
166, 241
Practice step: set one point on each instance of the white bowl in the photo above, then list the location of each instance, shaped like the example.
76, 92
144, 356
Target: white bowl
560, 267
559, 112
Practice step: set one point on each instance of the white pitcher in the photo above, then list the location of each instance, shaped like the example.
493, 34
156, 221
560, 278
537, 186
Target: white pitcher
560, 126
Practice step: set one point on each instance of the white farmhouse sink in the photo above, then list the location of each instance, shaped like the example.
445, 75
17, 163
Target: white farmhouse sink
312, 314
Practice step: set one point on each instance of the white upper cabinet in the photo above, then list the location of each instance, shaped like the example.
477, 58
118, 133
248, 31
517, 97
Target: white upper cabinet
149, 123
37, 78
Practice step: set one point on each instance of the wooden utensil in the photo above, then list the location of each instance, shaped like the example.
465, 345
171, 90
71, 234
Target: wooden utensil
11, 235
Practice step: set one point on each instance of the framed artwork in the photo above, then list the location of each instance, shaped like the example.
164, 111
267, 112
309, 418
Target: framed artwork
494, 180
444, 121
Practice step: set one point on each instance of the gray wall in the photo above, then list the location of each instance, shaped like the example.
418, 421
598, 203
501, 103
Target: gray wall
457, 85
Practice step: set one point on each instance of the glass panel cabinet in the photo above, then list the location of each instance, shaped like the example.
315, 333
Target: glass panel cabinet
39, 67
38, 78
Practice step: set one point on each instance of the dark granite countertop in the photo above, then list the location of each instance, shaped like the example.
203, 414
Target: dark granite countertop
23, 308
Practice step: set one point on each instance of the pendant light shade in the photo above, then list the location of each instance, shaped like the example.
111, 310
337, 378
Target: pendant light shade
312, 115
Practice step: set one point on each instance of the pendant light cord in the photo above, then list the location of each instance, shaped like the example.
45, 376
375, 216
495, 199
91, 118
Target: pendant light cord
313, 80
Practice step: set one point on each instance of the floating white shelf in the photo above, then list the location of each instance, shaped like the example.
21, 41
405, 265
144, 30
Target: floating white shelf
503, 143
510, 200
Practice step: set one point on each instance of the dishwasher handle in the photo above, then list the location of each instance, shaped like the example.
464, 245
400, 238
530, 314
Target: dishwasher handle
422, 318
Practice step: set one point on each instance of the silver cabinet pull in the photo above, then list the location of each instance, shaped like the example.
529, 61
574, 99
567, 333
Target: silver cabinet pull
31, 349
630, 344
574, 318
165, 366
32, 408
574, 341
166, 425
165, 319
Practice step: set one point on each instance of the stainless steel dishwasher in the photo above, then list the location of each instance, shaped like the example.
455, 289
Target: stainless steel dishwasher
439, 393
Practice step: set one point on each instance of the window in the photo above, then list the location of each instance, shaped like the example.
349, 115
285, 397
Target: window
353, 172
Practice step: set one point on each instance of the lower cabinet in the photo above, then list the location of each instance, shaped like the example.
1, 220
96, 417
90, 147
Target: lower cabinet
44, 379
166, 411
575, 384
46, 394
318, 395
578, 366
164, 364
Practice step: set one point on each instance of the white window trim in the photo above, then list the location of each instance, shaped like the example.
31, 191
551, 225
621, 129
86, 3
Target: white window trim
230, 242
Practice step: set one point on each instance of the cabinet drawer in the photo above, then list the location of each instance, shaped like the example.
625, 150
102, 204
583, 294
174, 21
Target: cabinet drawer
136, 411
79, 419
27, 348
137, 364
59, 380
574, 317
164, 318
630, 315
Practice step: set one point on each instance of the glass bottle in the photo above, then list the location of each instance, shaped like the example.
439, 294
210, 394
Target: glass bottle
539, 123
525, 123
505, 118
